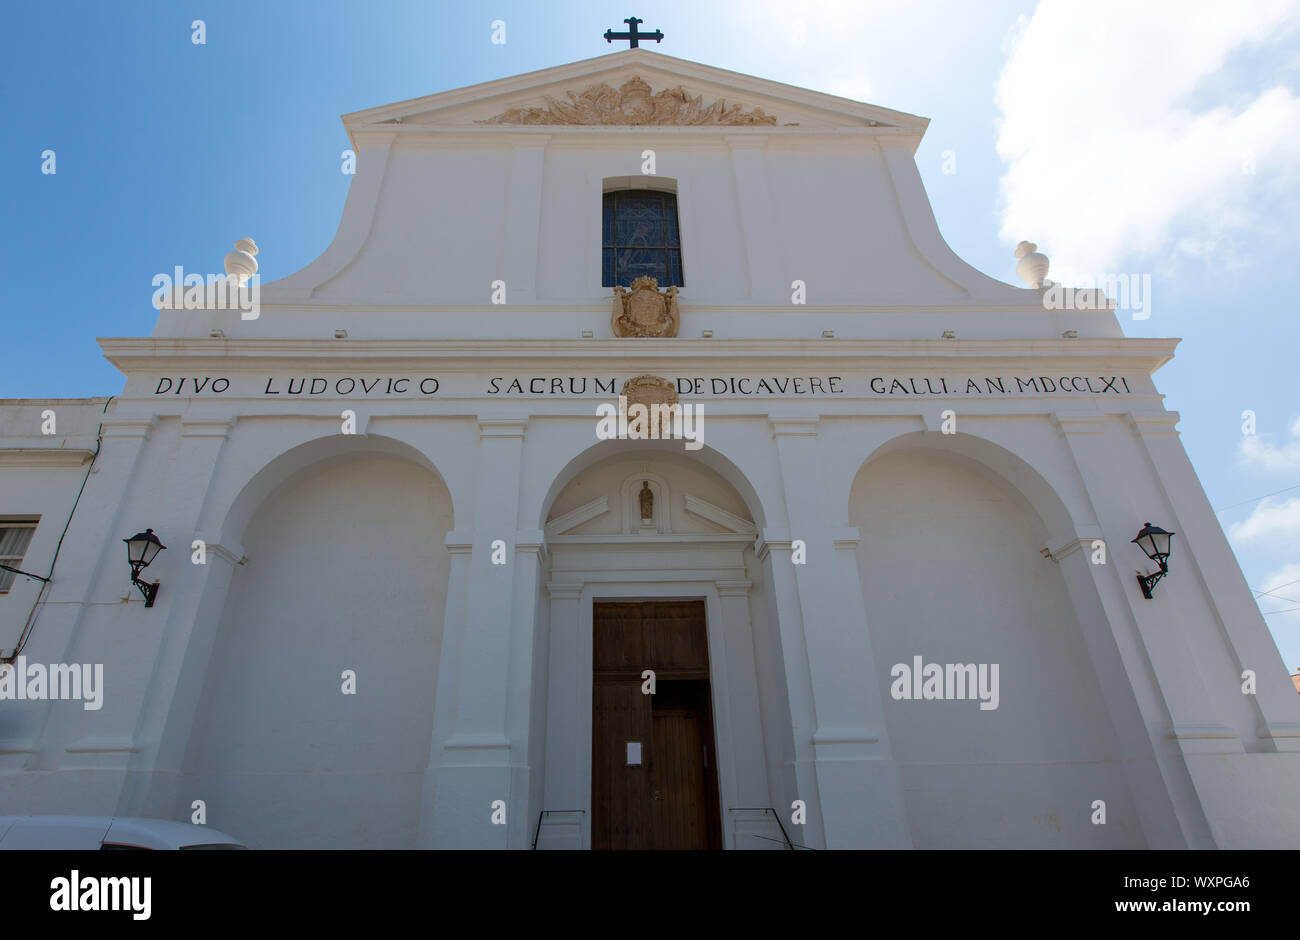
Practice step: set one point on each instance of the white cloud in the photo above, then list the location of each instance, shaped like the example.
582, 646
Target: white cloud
1269, 520
1285, 580
1260, 451
771, 38
1108, 157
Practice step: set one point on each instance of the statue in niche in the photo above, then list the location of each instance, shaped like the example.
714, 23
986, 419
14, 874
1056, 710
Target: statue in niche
647, 499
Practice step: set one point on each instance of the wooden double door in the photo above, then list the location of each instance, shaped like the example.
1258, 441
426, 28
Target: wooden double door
654, 780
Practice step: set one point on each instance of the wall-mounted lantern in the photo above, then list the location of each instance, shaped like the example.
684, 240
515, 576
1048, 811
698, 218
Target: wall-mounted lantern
1155, 542
141, 549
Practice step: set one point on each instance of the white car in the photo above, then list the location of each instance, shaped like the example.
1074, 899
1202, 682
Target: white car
108, 832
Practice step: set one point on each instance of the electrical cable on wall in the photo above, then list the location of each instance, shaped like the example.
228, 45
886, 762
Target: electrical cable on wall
31, 614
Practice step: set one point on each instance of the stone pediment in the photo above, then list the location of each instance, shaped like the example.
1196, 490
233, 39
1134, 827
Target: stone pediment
631, 88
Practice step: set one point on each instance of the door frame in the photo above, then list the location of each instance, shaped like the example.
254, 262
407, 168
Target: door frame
719, 693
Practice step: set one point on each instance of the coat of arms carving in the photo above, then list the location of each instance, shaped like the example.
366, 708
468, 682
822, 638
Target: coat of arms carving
651, 390
634, 103
644, 310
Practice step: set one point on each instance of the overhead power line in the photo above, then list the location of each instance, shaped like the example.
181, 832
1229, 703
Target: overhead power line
1258, 498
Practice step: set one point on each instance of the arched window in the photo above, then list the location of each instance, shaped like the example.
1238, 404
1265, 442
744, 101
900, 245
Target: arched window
640, 238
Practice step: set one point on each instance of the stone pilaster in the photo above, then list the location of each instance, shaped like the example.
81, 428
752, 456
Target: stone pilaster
474, 756
850, 745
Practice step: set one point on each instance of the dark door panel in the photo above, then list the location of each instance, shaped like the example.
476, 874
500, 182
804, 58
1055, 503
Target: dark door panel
670, 799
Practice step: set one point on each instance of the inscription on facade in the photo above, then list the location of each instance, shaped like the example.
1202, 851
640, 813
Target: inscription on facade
607, 386
1000, 385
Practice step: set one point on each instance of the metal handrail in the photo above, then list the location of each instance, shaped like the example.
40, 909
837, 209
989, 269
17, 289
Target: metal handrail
788, 844
775, 815
537, 833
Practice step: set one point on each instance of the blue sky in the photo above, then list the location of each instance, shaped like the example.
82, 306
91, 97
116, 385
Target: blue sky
1159, 138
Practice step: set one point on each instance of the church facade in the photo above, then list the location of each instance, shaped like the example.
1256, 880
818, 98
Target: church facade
637, 467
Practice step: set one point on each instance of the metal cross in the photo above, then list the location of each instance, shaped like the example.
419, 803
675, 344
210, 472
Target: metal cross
632, 34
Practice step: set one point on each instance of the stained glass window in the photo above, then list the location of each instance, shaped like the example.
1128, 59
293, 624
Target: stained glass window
640, 239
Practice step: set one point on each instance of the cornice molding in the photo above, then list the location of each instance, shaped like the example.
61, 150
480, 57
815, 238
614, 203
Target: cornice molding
531, 542
771, 539
1015, 305
846, 538
1279, 729
651, 540
1154, 424
805, 426
833, 736
145, 354
1193, 732
733, 587
208, 427
502, 427
129, 427
103, 744
1079, 424
691, 136
44, 457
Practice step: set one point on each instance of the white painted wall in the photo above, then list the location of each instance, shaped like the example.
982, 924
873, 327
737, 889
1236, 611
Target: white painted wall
39, 478
951, 571
347, 570
833, 211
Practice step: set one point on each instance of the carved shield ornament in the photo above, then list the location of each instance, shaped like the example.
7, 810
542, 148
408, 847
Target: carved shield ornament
644, 310
634, 103
638, 107
651, 390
